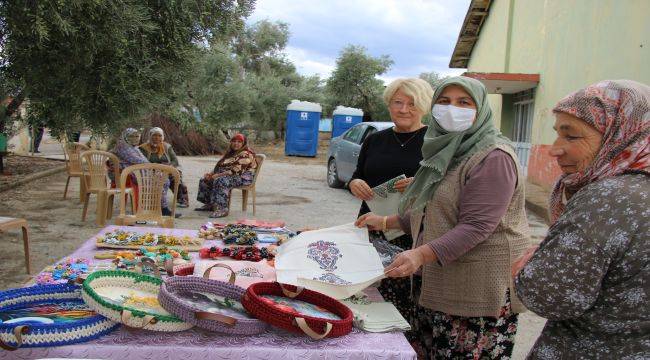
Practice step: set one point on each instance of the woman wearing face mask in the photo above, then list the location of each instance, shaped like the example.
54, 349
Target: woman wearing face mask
387, 154
236, 168
465, 211
159, 152
590, 276
127, 151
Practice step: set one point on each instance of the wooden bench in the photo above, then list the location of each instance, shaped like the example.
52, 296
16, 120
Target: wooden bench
7, 223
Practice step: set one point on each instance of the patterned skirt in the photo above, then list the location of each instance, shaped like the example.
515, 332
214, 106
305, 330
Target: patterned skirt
444, 336
216, 192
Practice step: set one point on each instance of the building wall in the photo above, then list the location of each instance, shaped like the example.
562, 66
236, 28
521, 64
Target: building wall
571, 44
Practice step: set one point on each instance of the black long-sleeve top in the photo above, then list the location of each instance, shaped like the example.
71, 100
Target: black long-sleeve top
387, 154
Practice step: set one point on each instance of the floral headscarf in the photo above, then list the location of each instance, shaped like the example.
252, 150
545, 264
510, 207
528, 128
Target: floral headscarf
127, 153
230, 153
620, 110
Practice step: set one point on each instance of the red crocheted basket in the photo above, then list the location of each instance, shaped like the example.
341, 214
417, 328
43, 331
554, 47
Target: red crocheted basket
183, 270
287, 318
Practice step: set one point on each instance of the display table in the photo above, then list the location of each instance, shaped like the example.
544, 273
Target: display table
126, 343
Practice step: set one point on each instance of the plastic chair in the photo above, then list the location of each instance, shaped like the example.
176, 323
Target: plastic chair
259, 159
72, 155
7, 223
150, 179
96, 181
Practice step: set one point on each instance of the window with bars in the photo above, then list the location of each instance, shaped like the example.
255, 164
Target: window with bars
523, 104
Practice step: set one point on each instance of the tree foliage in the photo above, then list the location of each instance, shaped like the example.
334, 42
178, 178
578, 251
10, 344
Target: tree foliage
248, 81
354, 81
433, 78
104, 64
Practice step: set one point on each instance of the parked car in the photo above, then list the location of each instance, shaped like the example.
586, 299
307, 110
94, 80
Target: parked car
344, 151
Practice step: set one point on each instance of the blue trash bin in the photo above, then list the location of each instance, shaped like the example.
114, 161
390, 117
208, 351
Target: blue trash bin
303, 119
344, 118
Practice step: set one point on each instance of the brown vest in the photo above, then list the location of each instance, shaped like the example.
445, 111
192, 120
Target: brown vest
475, 284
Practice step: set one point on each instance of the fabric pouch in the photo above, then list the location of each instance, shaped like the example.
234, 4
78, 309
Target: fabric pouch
247, 272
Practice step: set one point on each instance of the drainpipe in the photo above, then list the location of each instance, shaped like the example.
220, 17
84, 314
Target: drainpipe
511, 7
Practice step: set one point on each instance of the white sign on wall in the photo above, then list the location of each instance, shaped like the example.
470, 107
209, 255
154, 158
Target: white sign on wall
304, 116
348, 119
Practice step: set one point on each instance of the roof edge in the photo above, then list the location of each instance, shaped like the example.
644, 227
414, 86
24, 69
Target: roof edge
469, 33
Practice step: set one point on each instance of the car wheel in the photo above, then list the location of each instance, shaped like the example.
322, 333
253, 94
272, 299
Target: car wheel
332, 175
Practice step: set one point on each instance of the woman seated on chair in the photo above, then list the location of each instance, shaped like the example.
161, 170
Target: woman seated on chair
127, 151
235, 169
160, 152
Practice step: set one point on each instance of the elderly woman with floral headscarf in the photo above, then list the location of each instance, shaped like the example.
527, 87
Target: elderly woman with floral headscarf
465, 211
236, 168
590, 276
127, 151
159, 152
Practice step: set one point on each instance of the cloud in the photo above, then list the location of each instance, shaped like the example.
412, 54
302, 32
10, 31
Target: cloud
309, 63
419, 35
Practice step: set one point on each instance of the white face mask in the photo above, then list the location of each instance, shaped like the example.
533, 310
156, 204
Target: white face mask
453, 118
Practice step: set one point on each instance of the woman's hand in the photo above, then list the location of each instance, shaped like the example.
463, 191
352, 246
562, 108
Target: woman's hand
408, 262
523, 259
401, 185
207, 176
371, 221
361, 190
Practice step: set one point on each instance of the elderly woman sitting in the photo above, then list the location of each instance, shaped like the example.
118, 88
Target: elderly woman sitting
127, 152
159, 152
590, 276
236, 168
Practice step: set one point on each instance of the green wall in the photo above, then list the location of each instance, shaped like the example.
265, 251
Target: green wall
571, 44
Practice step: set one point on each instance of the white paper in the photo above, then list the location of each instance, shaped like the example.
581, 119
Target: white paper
338, 261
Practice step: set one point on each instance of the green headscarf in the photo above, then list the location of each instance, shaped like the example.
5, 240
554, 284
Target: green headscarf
443, 151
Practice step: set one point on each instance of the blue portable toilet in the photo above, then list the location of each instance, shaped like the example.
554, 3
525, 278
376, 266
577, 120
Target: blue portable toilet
303, 119
344, 118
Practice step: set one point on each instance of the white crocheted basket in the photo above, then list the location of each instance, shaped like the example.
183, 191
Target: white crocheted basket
131, 299
48, 315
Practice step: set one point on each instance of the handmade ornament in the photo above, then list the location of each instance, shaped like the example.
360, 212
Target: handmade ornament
131, 299
298, 310
238, 235
133, 240
209, 304
48, 315
66, 271
338, 261
249, 253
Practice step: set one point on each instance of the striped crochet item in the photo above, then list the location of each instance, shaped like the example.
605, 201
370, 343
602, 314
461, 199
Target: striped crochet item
71, 331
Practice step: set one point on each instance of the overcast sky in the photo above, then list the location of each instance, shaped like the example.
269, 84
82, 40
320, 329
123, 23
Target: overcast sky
418, 35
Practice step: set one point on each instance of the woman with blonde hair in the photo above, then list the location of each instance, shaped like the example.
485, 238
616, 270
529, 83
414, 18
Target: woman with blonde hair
387, 154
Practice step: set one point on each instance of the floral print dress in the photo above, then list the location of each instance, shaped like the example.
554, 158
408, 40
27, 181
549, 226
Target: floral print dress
444, 336
239, 171
590, 276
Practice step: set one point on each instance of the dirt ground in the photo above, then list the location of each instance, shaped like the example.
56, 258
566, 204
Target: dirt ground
292, 189
18, 167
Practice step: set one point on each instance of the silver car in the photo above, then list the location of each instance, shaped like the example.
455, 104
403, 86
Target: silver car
344, 151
